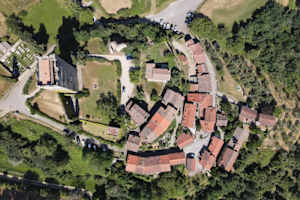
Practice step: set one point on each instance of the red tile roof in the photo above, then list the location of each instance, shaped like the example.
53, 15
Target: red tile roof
207, 160
157, 74
184, 140
158, 124
267, 121
173, 98
247, 115
191, 164
228, 159
209, 121
215, 146
189, 115
203, 100
153, 164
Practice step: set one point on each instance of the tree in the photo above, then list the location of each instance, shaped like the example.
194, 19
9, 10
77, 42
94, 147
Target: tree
108, 105
154, 95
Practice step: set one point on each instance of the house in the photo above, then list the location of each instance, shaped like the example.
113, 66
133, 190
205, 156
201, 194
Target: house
173, 98
247, 115
239, 137
266, 121
189, 115
184, 139
194, 87
158, 124
136, 113
155, 74
197, 51
202, 100
54, 73
133, 143
204, 83
4, 47
215, 146
202, 69
207, 160
208, 124
191, 164
221, 120
152, 165
228, 159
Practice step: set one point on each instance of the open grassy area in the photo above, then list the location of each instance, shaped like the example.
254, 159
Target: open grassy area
158, 53
97, 46
98, 78
228, 11
161, 4
50, 13
77, 165
113, 6
49, 103
14, 6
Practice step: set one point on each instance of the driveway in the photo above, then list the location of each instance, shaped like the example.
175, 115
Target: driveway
176, 12
125, 80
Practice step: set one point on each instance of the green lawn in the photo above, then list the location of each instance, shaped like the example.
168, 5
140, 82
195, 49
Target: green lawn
33, 131
156, 53
98, 78
238, 12
97, 46
50, 13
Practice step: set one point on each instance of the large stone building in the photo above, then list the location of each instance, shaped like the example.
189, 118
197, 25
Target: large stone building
54, 73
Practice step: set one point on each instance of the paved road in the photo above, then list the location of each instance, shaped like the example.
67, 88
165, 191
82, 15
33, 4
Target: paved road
125, 80
176, 12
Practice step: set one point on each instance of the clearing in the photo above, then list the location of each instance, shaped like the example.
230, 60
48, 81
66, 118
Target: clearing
112, 7
8, 7
98, 78
229, 86
49, 103
97, 46
50, 19
228, 11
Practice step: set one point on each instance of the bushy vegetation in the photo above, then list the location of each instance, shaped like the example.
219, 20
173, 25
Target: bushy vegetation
269, 39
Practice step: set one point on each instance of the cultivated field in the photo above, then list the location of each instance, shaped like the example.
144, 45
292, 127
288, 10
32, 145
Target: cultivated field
228, 11
112, 7
98, 78
50, 104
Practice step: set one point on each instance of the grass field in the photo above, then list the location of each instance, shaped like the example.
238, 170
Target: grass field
228, 11
52, 15
97, 46
33, 131
50, 104
14, 6
98, 78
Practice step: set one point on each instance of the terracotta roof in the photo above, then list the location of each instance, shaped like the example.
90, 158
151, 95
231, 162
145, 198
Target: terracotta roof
207, 160
153, 164
208, 124
228, 158
133, 143
196, 49
45, 72
221, 120
247, 115
157, 74
158, 124
194, 87
204, 83
266, 120
202, 69
203, 100
173, 98
239, 137
215, 146
191, 164
200, 58
184, 140
177, 158
136, 113
189, 115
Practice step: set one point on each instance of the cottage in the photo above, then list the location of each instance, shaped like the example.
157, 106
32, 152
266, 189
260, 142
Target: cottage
184, 140
155, 74
208, 124
202, 100
215, 146
202, 69
266, 121
221, 120
204, 83
189, 115
247, 115
239, 138
133, 143
136, 113
191, 164
173, 98
158, 124
207, 160
228, 159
